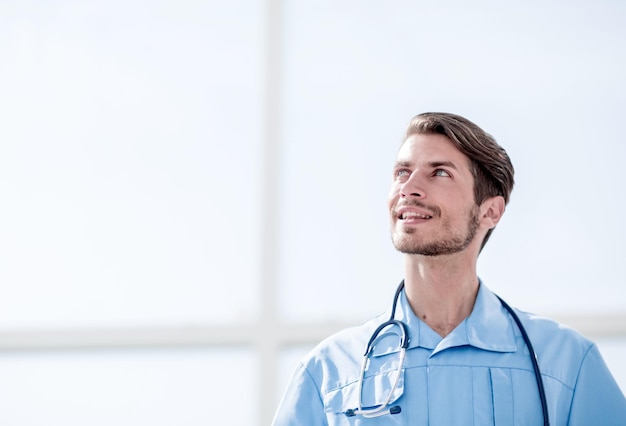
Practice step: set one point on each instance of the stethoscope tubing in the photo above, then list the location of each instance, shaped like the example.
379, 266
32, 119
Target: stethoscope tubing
404, 343
533, 358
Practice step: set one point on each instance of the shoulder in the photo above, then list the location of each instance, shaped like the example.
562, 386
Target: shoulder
547, 332
336, 360
560, 349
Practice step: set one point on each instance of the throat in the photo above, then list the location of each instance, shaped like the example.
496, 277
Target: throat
442, 328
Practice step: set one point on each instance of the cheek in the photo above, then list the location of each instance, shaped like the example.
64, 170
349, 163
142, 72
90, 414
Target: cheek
392, 198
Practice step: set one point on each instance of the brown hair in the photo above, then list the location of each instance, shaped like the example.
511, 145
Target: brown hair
490, 164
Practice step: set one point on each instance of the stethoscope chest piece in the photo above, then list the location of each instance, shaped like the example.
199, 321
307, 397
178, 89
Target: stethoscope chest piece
400, 329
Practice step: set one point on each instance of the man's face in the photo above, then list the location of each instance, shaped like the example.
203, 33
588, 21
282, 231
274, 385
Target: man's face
431, 202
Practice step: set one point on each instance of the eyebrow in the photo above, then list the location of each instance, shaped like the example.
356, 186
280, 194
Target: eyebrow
443, 163
433, 164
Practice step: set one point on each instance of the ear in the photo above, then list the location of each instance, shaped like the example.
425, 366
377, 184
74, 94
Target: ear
491, 211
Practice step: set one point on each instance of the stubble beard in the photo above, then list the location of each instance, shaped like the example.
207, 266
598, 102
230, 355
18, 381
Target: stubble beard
408, 244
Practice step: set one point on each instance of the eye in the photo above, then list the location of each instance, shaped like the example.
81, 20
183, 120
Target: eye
441, 173
401, 174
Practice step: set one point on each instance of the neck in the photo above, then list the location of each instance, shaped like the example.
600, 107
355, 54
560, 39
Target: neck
441, 289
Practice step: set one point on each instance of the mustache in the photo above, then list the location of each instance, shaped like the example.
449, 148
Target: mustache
436, 211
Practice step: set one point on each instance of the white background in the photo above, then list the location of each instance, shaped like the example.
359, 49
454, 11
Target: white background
132, 169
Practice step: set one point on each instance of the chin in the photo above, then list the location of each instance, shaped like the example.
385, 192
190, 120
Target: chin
406, 245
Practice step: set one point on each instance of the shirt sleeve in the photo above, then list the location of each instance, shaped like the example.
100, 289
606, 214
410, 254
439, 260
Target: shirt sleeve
597, 398
301, 404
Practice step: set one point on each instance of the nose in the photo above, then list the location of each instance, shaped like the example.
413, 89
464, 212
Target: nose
413, 187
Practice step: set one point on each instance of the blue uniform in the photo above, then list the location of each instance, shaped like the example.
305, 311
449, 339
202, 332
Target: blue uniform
479, 374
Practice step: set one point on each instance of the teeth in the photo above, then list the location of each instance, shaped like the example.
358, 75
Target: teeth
407, 215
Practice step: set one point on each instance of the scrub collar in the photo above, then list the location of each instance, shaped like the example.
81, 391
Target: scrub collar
488, 327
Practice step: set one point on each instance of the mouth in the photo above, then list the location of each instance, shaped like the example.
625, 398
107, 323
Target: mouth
415, 213
408, 215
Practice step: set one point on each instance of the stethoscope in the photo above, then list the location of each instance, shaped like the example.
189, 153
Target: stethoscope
383, 409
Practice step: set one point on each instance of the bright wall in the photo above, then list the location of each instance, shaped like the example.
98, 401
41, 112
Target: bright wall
158, 158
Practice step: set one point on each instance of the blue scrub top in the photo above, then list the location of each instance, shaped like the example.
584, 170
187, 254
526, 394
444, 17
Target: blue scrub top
480, 374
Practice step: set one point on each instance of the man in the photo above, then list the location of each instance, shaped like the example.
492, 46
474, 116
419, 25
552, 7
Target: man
466, 361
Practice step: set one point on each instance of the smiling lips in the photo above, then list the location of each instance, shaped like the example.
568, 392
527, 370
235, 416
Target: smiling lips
410, 214
413, 215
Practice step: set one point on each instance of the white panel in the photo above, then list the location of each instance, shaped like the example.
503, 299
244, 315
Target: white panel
129, 388
549, 86
130, 161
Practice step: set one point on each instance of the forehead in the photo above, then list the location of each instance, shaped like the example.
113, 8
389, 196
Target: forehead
431, 148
